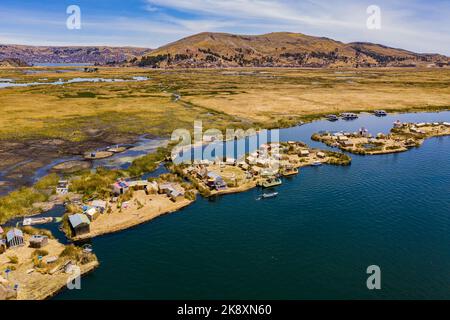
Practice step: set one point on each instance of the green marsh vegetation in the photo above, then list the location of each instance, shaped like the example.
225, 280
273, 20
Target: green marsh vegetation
20, 202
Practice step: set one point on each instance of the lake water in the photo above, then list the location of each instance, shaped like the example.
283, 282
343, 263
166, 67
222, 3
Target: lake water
315, 240
7, 83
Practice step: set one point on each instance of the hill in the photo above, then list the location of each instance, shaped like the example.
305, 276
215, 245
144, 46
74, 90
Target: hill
12, 62
95, 55
281, 49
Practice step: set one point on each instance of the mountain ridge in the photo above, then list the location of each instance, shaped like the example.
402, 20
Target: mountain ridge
70, 54
222, 50
279, 49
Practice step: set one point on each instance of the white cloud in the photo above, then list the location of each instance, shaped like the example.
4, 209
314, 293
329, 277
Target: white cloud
412, 25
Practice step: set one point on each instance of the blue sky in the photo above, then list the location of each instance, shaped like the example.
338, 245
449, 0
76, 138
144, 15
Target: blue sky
421, 26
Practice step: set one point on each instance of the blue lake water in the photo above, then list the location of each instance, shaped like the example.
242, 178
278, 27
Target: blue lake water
314, 241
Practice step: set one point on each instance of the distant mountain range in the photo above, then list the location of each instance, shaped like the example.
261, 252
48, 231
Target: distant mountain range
96, 55
219, 50
281, 49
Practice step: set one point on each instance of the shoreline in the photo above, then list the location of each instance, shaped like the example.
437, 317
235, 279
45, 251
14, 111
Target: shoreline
143, 208
40, 279
401, 138
116, 221
85, 270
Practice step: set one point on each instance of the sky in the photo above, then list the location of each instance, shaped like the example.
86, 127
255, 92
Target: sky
416, 25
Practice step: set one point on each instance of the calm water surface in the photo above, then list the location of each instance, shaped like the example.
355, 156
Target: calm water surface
315, 240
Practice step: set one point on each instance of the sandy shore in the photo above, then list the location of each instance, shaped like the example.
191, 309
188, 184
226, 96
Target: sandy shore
152, 206
37, 285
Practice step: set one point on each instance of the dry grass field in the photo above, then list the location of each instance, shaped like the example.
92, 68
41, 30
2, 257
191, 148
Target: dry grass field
286, 95
219, 97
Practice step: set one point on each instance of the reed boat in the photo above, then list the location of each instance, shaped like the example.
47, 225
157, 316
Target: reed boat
380, 113
35, 221
332, 117
349, 116
272, 182
290, 172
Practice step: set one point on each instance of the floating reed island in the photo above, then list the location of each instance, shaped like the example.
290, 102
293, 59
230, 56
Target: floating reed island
263, 167
35, 266
402, 137
129, 203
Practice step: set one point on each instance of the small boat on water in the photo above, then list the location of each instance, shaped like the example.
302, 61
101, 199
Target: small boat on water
380, 113
349, 116
332, 117
35, 221
87, 248
271, 182
269, 195
317, 164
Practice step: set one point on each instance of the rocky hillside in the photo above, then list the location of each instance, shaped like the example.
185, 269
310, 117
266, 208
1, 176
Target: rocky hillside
12, 62
278, 50
95, 55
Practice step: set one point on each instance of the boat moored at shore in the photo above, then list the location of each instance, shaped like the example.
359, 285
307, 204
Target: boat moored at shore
380, 113
332, 117
349, 116
271, 182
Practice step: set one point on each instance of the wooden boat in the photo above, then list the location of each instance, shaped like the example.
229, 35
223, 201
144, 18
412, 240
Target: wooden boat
289, 172
332, 117
349, 116
380, 113
272, 182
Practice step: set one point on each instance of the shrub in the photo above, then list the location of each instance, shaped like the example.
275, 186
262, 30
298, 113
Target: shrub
71, 252
96, 184
34, 231
13, 259
149, 162
39, 252
190, 195
19, 203
47, 182
65, 225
